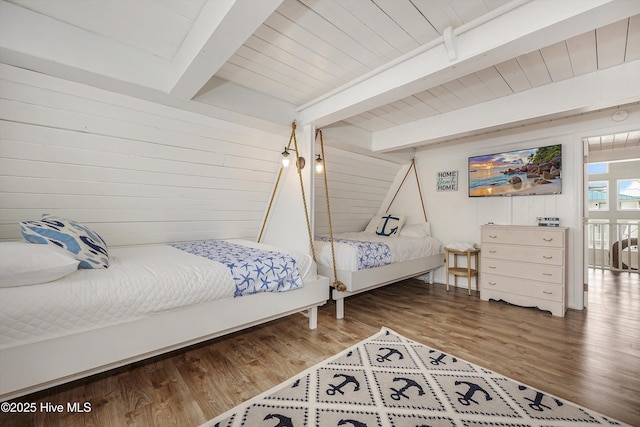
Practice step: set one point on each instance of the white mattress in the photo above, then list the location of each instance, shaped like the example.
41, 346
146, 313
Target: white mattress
140, 281
402, 249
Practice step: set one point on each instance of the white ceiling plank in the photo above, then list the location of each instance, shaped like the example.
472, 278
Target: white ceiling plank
462, 92
381, 24
142, 25
433, 101
295, 62
275, 69
512, 73
415, 24
633, 39
440, 14
271, 87
518, 31
425, 109
477, 87
534, 68
298, 41
590, 92
63, 50
319, 26
202, 55
582, 52
556, 58
443, 94
610, 52
494, 81
353, 27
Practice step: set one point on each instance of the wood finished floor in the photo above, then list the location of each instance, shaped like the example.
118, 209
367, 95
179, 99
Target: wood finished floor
590, 357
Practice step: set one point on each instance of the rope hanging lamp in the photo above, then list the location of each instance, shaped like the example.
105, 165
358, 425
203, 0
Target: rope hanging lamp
337, 284
294, 141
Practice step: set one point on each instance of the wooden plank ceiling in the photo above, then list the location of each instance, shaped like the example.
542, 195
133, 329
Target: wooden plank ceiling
385, 67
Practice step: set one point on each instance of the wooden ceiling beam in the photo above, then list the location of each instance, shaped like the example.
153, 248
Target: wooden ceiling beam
589, 92
515, 29
220, 30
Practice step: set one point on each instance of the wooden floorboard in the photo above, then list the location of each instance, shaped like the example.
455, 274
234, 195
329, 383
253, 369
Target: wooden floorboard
590, 357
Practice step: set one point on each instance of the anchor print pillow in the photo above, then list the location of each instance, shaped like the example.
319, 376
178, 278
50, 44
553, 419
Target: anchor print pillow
85, 244
390, 225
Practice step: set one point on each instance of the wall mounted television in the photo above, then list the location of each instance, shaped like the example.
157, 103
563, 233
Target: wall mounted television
534, 171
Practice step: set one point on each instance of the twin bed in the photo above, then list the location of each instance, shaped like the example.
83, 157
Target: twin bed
140, 301
369, 259
150, 300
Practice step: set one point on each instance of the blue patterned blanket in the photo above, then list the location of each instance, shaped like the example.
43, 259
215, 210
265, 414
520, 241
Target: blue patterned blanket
253, 270
370, 254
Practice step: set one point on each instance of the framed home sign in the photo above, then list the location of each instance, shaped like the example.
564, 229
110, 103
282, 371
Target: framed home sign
447, 181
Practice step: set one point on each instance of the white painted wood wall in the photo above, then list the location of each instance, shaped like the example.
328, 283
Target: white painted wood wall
137, 172
357, 187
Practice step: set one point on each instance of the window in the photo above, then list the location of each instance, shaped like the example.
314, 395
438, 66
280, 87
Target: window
596, 168
629, 194
598, 196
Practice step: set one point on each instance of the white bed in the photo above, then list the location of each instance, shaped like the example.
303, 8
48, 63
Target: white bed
410, 257
151, 299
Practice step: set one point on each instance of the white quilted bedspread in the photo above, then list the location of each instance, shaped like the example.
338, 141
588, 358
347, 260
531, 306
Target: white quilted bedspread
402, 249
140, 281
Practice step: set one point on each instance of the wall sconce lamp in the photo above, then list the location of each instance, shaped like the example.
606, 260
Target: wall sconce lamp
300, 161
319, 165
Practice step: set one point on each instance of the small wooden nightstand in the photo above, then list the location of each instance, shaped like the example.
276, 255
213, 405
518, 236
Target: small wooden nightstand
469, 271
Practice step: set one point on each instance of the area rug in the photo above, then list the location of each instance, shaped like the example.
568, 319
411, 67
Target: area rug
390, 380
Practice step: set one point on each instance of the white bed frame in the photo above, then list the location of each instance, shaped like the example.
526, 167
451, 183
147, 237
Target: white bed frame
371, 278
31, 367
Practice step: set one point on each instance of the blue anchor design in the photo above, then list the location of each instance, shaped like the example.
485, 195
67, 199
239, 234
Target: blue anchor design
536, 404
409, 383
467, 398
338, 388
283, 421
440, 359
384, 226
387, 357
354, 423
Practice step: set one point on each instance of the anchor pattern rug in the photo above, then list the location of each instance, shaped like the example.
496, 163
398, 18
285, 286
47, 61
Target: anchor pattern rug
390, 380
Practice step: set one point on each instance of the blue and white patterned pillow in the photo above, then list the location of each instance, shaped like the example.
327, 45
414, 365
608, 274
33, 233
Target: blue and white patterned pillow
85, 244
390, 225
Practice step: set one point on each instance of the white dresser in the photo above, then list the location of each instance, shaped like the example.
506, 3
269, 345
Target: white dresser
524, 265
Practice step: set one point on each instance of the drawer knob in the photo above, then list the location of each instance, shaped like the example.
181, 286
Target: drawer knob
492, 283
547, 274
547, 239
492, 251
547, 256
494, 236
547, 292
492, 266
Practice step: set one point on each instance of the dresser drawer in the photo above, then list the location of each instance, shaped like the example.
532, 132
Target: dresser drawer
523, 287
523, 270
537, 236
534, 254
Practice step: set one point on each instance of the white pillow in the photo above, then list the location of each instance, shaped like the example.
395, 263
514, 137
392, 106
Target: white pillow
420, 230
389, 225
373, 224
23, 263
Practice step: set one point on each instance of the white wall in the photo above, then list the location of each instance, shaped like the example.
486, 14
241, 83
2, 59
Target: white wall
135, 171
357, 186
456, 217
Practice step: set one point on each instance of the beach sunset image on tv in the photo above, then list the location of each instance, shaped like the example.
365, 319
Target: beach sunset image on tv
533, 171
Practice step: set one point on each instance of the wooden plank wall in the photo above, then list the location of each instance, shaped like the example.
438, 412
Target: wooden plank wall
357, 187
135, 171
